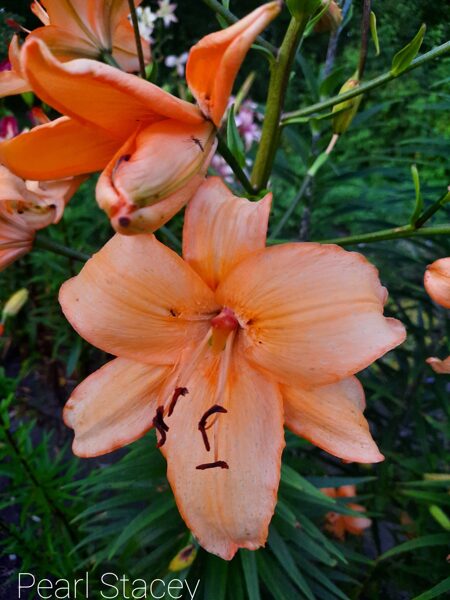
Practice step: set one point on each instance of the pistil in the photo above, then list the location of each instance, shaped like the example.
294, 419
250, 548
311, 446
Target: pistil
222, 325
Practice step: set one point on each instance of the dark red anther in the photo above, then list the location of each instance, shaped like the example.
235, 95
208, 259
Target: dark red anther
219, 463
14, 25
160, 426
216, 408
179, 391
124, 221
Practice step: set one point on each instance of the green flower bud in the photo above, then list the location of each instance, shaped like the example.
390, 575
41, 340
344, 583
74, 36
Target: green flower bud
347, 109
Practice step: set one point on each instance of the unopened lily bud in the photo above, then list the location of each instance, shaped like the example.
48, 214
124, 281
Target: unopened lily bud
331, 18
155, 174
301, 9
346, 110
14, 304
183, 559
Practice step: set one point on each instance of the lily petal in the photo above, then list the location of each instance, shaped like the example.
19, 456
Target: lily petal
100, 95
58, 149
221, 229
13, 82
356, 525
437, 281
227, 509
124, 48
153, 165
16, 237
313, 313
331, 417
137, 299
214, 62
442, 367
114, 406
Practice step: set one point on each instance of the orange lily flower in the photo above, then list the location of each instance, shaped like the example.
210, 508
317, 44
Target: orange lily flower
154, 149
339, 524
437, 284
78, 29
218, 351
27, 206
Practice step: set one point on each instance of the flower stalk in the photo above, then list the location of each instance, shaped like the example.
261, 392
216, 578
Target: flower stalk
279, 80
226, 153
45, 243
137, 35
366, 87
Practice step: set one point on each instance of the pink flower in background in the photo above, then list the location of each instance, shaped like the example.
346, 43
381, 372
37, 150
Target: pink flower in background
222, 168
9, 127
166, 12
246, 122
177, 63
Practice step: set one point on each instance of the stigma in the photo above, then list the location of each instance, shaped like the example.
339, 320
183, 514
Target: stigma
222, 326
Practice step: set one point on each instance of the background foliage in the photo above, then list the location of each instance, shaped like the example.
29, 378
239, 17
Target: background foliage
61, 516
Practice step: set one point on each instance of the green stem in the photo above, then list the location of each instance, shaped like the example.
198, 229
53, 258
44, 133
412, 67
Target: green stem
395, 233
279, 80
45, 243
233, 163
365, 25
369, 85
426, 215
230, 18
137, 37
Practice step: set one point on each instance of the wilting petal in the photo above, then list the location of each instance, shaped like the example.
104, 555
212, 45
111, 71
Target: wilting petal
313, 313
99, 94
215, 61
114, 406
439, 366
221, 229
56, 193
156, 162
137, 299
16, 238
58, 149
437, 281
13, 82
227, 509
330, 417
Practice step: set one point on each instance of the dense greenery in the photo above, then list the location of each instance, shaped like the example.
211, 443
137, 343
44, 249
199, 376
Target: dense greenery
62, 515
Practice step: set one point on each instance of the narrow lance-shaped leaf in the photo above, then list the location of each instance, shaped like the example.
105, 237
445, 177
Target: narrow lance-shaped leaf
406, 55
418, 206
374, 32
234, 140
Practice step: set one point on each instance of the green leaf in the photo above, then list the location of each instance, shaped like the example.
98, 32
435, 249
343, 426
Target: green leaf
374, 32
406, 55
250, 569
439, 515
284, 557
216, 573
436, 591
418, 207
234, 140
435, 539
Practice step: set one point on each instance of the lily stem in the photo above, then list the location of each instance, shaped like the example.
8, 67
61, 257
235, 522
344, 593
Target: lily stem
137, 37
395, 233
365, 25
230, 18
45, 243
235, 166
279, 80
369, 85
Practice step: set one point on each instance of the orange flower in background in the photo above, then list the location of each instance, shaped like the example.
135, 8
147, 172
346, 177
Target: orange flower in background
154, 149
219, 350
437, 284
78, 29
339, 524
27, 206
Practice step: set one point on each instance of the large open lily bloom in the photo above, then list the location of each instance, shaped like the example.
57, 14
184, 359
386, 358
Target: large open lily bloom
26, 207
221, 348
78, 29
339, 524
154, 149
437, 284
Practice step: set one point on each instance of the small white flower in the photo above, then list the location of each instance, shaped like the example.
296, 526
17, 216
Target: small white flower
166, 12
177, 62
146, 19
